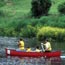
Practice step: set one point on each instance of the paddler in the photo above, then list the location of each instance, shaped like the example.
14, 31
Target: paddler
47, 46
21, 44
28, 49
37, 49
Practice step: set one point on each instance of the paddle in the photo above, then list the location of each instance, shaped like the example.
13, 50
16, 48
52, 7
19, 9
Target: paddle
42, 47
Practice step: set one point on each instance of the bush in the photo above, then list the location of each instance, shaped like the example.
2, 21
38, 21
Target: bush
28, 31
10, 32
51, 33
61, 8
1, 31
2, 13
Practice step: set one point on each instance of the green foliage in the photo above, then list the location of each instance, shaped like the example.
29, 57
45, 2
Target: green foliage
10, 32
40, 7
53, 21
28, 31
61, 8
2, 13
15, 18
51, 33
29, 27
2, 3
36, 8
45, 5
1, 31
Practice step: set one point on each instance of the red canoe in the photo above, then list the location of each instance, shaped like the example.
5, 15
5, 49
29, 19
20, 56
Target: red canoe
11, 52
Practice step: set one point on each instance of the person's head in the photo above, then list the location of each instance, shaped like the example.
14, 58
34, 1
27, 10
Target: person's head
21, 39
46, 40
37, 47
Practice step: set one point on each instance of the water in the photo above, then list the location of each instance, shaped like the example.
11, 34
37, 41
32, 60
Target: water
30, 61
11, 42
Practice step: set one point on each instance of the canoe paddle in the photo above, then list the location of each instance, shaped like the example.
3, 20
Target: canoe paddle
42, 47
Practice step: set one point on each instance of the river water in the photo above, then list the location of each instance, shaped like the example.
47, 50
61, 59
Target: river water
10, 42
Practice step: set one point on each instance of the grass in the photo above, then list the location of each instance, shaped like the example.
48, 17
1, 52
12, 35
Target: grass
21, 7
17, 7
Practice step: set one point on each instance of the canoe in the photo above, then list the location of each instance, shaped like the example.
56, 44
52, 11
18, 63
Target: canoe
12, 52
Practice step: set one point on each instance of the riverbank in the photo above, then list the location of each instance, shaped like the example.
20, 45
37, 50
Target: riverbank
19, 22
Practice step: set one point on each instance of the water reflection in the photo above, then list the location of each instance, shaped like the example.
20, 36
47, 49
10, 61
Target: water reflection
30, 61
33, 61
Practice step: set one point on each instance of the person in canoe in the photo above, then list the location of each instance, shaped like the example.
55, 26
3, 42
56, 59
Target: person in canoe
37, 49
47, 46
21, 44
28, 49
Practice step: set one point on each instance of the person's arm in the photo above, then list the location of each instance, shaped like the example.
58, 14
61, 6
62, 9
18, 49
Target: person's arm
19, 44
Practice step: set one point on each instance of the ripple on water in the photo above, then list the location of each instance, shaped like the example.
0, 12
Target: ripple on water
29, 61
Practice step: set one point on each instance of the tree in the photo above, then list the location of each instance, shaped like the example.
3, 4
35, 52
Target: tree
45, 5
61, 8
36, 8
40, 7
